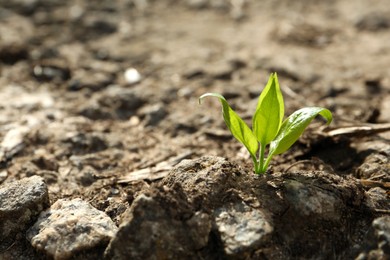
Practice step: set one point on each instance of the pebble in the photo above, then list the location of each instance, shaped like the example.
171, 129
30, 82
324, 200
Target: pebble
71, 227
375, 166
241, 228
13, 142
377, 240
132, 76
309, 200
20, 204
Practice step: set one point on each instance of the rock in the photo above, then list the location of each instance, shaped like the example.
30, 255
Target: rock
375, 166
20, 204
309, 200
13, 142
377, 199
241, 228
165, 228
319, 203
70, 228
377, 242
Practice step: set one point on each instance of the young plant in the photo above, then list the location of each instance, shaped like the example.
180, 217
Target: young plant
268, 127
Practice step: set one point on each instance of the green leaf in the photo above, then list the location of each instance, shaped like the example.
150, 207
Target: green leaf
293, 127
269, 112
236, 125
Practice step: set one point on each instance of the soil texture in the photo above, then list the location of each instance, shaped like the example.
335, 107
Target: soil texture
100, 99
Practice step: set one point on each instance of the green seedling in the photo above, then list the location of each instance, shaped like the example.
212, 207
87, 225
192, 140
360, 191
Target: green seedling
268, 127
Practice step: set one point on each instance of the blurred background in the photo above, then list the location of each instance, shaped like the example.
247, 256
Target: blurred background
114, 85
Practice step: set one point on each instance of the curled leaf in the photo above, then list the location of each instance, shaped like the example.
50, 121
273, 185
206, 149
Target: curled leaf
294, 126
236, 125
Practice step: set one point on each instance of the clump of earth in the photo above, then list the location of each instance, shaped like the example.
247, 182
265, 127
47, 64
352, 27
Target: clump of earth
106, 154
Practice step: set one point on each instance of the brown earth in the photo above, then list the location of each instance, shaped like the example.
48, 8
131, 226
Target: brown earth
69, 114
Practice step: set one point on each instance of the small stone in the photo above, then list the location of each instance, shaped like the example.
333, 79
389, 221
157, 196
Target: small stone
68, 228
377, 241
377, 198
375, 166
132, 76
241, 228
309, 200
20, 204
13, 142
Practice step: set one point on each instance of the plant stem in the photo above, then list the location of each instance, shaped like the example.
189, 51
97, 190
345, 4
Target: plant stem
256, 164
261, 160
265, 167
